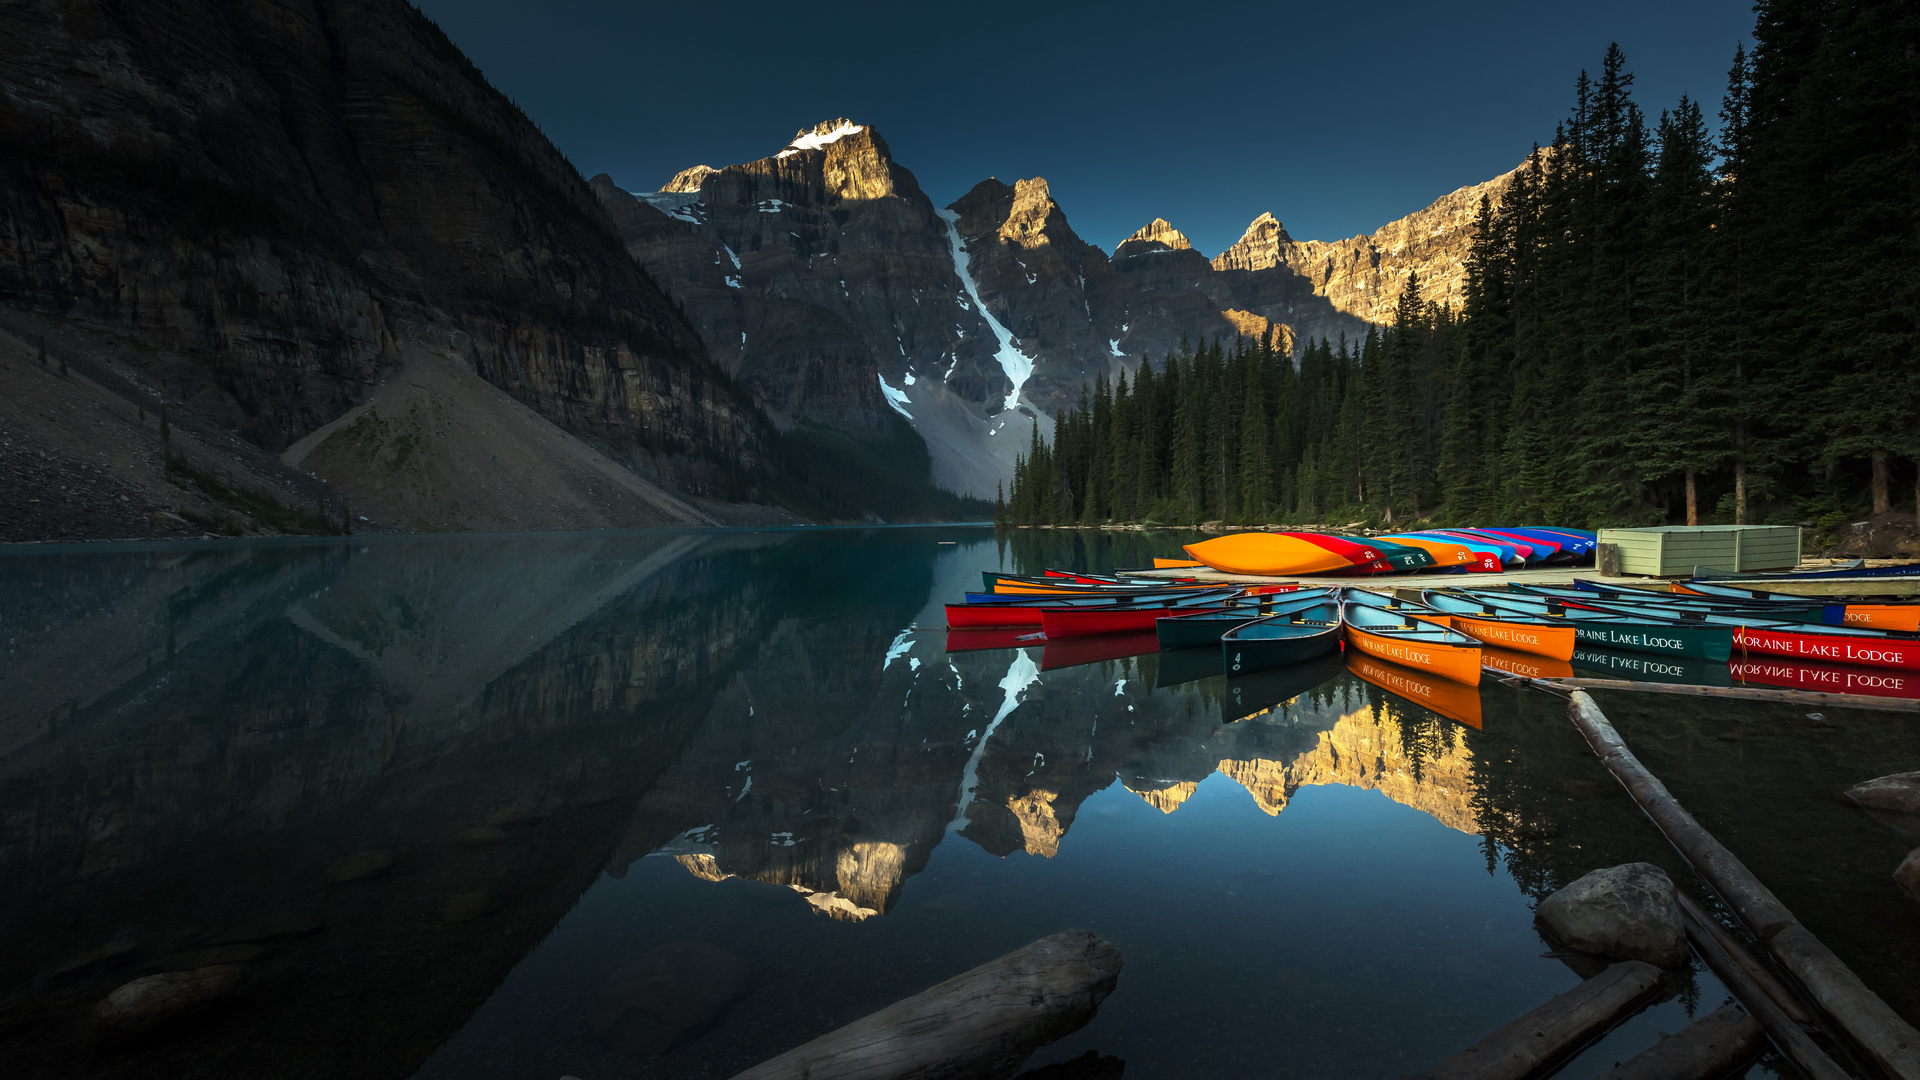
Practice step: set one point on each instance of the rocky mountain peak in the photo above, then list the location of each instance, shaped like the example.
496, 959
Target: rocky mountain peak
1157, 235
1259, 248
821, 135
689, 179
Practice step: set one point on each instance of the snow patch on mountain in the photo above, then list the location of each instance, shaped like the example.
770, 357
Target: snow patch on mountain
895, 398
1017, 365
817, 140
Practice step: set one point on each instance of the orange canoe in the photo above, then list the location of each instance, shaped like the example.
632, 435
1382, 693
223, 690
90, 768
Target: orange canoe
1443, 696
1526, 664
1268, 554
1552, 642
1174, 564
1412, 642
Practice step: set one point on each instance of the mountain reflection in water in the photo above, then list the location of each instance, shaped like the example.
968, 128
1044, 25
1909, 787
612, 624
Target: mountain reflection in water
579, 750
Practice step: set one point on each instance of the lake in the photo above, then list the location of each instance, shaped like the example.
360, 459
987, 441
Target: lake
453, 805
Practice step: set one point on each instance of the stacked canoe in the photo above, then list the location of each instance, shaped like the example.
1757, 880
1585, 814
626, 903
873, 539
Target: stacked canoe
1484, 551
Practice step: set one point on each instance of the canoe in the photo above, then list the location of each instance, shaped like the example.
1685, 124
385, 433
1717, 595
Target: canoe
995, 637
1268, 554
1902, 617
1437, 695
1416, 643
1510, 556
1806, 611
984, 611
1528, 665
1174, 564
1574, 548
1074, 651
1450, 553
1279, 640
1203, 629
1801, 641
1184, 666
1538, 636
1259, 692
1851, 569
1826, 678
1077, 621
1545, 548
1595, 627
1367, 558
1399, 557
1642, 667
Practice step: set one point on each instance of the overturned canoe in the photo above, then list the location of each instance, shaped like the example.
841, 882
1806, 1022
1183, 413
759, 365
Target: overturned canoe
1271, 555
1448, 553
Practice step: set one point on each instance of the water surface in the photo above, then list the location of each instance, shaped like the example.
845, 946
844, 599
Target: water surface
580, 750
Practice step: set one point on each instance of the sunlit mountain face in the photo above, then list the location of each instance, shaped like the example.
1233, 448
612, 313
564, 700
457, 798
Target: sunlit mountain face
463, 806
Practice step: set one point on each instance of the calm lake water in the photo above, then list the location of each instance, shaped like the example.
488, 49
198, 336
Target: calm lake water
742, 772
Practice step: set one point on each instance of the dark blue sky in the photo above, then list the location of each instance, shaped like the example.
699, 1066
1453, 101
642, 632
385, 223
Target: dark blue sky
1336, 117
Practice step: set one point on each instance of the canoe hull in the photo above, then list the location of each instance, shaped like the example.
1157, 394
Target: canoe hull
1828, 648
1239, 657
1079, 622
1444, 696
1181, 632
1268, 554
1459, 663
1553, 642
991, 616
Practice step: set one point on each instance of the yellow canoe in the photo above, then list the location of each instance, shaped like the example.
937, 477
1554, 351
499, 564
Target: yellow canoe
1448, 698
1270, 554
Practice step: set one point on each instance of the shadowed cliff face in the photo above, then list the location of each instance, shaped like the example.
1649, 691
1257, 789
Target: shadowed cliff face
275, 200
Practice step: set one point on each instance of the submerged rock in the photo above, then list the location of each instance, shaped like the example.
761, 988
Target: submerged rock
648, 1005
1908, 874
1625, 912
267, 927
1898, 793
360, 864
156, 1006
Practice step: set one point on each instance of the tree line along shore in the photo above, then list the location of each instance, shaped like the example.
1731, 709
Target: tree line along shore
1660, 324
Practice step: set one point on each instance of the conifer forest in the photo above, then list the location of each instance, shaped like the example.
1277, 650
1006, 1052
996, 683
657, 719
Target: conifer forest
1663, 322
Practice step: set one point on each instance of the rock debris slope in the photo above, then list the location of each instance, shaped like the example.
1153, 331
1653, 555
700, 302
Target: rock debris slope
267, 204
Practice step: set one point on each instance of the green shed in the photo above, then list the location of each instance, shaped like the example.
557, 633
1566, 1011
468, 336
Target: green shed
1674, 550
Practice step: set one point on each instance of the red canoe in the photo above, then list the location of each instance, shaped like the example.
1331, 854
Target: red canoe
1078, 622
1365, 559
1828, 678
1861, 647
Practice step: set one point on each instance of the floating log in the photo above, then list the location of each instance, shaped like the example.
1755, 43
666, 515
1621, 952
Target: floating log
1738, 693
1792, 1041
1788, 1002
1890, 1042
1716, 1045
979, 1025
1549, 1034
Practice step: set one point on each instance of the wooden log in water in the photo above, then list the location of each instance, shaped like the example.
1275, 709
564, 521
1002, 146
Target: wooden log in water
1890, 1042
1792, 1041
1788, 1002
979, 1025
1739, 693
1716, 1045
1546, 1036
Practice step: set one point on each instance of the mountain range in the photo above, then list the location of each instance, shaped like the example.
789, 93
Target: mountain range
268, 271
